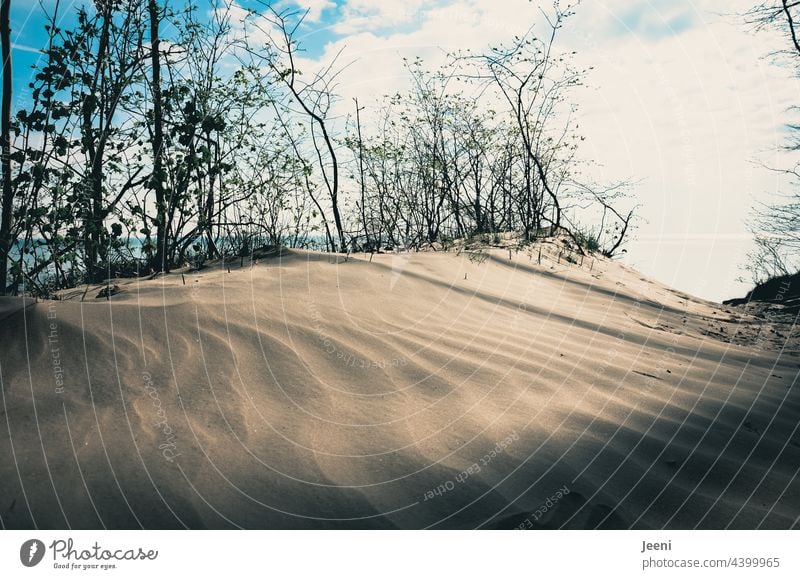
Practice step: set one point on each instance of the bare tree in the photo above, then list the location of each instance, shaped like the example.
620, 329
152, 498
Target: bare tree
526, 77
313, 97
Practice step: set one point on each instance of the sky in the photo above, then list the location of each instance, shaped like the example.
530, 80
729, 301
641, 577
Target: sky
683, 99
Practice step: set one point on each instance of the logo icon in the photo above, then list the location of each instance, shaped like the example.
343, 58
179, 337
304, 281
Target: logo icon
31, 553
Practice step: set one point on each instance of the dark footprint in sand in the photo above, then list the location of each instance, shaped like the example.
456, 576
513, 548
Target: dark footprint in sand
749, 426
571, 512
8, 510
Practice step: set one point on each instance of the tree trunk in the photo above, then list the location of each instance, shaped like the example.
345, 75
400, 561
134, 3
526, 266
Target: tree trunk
94, 147
158, 142
361, 177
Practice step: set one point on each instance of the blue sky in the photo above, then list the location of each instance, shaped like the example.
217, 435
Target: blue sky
681, 99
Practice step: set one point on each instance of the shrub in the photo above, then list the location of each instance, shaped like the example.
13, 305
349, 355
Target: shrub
588, 240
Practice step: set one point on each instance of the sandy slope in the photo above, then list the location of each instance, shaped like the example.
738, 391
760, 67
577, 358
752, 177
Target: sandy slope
415, 390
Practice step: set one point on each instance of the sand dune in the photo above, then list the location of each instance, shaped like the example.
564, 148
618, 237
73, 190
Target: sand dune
406, 391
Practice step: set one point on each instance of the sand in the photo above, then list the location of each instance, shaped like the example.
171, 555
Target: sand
410, 390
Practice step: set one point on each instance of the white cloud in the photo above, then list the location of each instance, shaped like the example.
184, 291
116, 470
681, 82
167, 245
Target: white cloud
367, 15
688, 113
315, 8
